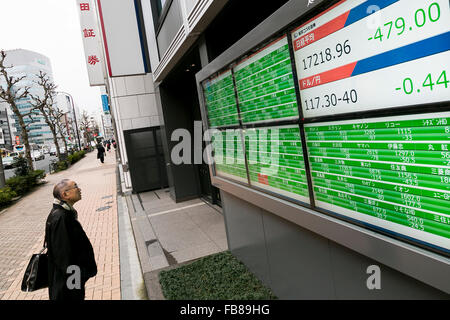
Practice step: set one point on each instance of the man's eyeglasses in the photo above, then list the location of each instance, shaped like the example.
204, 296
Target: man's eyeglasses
74, 187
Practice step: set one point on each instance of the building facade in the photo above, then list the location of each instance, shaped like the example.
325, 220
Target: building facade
28, 64
8, 128
326, 220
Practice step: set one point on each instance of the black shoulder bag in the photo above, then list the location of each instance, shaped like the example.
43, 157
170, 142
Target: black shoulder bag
36, 274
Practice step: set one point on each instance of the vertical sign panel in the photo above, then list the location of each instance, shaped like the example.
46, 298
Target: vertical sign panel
229, 154
220, 101
121, 37
275, 161
265, 85
90, 36
393, 173
105, 103
369, 55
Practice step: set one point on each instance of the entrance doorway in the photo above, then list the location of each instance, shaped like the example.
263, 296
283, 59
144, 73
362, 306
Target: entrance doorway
146, 159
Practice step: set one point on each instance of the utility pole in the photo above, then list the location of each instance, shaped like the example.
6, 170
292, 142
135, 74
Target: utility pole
74, 117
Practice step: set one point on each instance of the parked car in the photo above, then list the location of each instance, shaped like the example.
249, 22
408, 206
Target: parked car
8, 162
53, 151
37, 155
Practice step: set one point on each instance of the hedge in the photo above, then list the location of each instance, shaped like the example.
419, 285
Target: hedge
19, 185
217, 277
71, 159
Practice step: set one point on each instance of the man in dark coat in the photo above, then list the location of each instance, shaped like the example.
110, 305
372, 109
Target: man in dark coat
71, 259
100, 152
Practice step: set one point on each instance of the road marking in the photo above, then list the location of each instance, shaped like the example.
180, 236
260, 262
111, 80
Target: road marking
177, 209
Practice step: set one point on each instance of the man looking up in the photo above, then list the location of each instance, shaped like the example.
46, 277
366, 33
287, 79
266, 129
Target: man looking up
71, 260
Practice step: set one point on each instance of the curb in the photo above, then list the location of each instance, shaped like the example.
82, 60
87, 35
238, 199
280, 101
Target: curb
150, 252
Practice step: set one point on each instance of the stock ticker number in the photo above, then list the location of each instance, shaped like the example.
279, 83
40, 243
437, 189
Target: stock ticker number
331, 100
408, 86
421, 18
327, 55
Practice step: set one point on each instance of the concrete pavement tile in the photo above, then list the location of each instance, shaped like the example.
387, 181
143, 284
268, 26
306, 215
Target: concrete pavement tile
222, 243
98, 293
171, 221
116, 294
158, 262
183, 238
107, 295
148, 196
209, 222
195, 252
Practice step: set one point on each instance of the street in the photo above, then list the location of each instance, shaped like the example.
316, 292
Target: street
39, 165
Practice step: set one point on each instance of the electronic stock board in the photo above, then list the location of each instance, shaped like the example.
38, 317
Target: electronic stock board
391, 173
370, 55
265, 94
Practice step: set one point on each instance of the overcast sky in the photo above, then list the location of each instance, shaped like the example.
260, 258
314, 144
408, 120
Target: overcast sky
52, 28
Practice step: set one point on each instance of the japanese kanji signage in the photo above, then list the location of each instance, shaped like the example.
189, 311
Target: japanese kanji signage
91, 42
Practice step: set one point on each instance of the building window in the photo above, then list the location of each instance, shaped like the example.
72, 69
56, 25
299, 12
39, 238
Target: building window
159, 11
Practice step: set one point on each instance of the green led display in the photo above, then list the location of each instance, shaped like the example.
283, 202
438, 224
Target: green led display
265, 85
397, 170
275, 160
229, 155
221, 101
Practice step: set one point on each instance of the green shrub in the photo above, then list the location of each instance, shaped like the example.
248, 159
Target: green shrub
21, 166
217, 277
19, 184
22, 184
70, 158
76, 156
62, 165
35, 176
6, 196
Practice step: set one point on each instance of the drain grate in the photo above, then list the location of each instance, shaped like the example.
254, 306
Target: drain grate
103, 208
106, 197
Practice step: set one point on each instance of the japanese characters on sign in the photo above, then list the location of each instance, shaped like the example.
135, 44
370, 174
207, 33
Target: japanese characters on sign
351, 59
91, 42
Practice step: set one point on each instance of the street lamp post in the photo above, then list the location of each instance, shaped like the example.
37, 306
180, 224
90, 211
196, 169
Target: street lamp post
75, 117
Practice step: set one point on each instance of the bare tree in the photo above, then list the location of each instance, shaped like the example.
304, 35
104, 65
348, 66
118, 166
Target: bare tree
69, 130
85, 127
45, 106
11, 94
61, 128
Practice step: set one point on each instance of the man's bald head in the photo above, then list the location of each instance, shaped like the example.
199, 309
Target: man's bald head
60, 187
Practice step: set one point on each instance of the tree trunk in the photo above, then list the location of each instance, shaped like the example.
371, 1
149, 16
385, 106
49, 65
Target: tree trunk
26, 142
63, 139
53, 131
55, 140
2, 176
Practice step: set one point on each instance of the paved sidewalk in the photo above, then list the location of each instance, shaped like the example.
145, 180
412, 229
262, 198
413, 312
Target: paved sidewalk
22, 229
170, 234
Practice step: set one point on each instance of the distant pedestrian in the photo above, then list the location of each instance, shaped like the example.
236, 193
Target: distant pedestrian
71, 259
100, 153
108, 146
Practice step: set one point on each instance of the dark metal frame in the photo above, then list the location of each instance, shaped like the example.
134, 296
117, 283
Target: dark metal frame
127, 137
